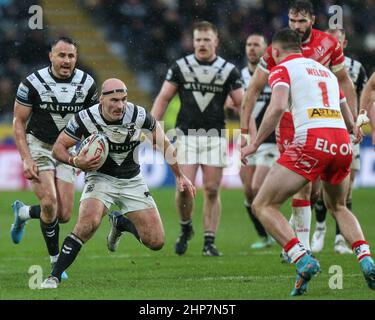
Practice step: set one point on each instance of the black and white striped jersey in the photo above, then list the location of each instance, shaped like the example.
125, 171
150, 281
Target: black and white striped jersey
357, 73
261, 104
54, 101
123, 136
203, 88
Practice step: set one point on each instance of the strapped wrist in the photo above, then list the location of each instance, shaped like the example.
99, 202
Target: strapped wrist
72, 161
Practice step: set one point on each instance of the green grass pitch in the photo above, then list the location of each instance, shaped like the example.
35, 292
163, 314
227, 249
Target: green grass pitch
135, 272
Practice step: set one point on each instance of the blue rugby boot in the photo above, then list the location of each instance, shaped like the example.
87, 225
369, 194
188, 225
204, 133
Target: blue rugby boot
368, 269
18, 227
307, 267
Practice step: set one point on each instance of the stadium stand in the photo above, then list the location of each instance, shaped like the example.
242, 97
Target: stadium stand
138, 39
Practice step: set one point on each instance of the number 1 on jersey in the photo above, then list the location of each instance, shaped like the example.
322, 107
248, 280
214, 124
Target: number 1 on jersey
323, 86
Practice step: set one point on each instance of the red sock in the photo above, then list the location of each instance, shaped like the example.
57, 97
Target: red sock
361, 249
295, 250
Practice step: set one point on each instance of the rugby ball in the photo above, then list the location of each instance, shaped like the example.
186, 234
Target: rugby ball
97, 144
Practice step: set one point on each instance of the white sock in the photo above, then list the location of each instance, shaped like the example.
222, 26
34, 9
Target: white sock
302, 220
24, 213
320, 225
295, 250
53, 259
361, 249
291, 221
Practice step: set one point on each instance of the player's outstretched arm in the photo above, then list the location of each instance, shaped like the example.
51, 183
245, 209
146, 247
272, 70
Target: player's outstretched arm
256, 86
20, 118
167, 92
160, 139
272, 116
367, 102
347, 86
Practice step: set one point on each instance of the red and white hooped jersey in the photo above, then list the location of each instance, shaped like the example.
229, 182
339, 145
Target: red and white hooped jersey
315, 95
321, 47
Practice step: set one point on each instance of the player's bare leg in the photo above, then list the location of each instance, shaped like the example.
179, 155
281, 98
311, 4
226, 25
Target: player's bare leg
259, 176
65, 200
149, 227
211, 208
185, 205
335, 198
279, 185
46, 212
45, 190
317, 242
246, 175
144, 224
91, 212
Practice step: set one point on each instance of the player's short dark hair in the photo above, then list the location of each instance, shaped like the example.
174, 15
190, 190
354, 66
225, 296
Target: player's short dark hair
204, 26
288, 39
258, 34
301, 6
64, 39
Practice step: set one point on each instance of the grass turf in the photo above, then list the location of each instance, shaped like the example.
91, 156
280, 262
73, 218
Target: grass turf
135, 272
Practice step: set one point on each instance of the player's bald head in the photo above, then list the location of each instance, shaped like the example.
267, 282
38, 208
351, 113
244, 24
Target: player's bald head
113, 85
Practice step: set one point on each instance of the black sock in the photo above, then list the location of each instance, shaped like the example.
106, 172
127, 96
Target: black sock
34, 212
320, 210
258, 226
209, 238
69, 251
186, 226
337, 229
50, 233
124, 224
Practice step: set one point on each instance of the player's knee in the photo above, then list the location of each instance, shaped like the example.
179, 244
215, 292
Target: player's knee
86, 227
48, 205
255, 190
155, 243
257, 207
335, 207
64, 215
211, 192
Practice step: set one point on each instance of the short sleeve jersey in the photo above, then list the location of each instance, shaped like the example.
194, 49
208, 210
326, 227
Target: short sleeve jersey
314, 93
54, 101
123, 136
321, 47
203, 89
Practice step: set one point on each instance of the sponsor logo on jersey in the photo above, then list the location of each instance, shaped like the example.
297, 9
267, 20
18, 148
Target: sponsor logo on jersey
203, 87
130, 127
121, 147
61, 107
320, 50
322, 113
48, 93
23, 92
79, 94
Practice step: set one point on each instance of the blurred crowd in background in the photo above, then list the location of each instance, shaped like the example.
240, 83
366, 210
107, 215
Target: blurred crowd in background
154, 33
